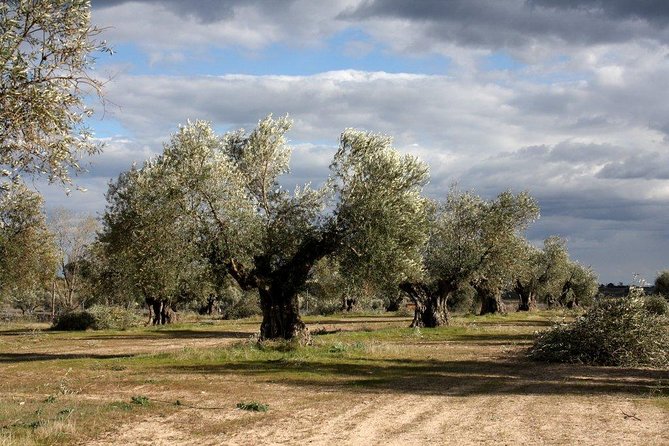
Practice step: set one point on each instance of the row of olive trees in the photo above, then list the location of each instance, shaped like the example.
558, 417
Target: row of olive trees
210, 209
478, 244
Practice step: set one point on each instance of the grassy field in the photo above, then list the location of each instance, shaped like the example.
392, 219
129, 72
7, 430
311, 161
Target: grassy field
365, 380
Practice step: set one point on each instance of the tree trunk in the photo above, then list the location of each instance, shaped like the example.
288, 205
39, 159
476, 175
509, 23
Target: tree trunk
527, 302
278, 288
208, 308
527, 299
160, 312
281, 315
349, 304
431, 309
491, 299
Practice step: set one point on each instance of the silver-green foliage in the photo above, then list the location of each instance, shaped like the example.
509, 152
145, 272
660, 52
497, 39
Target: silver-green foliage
46, 56
472, 239
211, 196
146, 246
551, 276
27, 249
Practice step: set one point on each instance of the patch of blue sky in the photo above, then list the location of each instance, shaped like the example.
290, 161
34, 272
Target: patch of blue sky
107, 127
350, 49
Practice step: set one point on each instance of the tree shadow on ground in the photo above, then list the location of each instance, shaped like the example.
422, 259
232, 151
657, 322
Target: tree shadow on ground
172, 334
510, 323
30, 357
454, 378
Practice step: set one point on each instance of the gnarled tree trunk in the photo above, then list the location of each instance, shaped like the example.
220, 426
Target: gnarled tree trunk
279, 287
491, 298
281, 315
431, 309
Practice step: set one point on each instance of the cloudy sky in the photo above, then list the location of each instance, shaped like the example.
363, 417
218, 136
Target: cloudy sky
568, 99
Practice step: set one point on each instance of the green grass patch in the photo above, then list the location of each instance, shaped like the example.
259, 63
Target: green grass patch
253, 406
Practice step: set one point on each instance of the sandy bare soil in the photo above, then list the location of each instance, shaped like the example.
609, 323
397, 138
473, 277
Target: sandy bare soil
397, 418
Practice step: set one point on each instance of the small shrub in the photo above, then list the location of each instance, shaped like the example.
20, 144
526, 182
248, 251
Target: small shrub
614, 332
75, 321
253, 406
377, 305
656, 304
113, 317
327, 306
98, 317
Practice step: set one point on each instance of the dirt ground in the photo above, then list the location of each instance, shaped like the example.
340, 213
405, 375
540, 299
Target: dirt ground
466, 389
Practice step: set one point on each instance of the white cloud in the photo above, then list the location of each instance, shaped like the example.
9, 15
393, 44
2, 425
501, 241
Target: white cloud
582, 121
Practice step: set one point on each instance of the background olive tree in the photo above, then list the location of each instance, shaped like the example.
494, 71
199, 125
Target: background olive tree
550, 276
28, 254
662, 284
146, 250
472, 242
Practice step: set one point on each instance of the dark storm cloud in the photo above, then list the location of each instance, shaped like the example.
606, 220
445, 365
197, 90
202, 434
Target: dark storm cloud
653, 11
517, 23
563, 179
649, 166
206, 11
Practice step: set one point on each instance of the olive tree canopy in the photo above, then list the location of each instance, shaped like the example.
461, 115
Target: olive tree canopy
549, 275
46, 57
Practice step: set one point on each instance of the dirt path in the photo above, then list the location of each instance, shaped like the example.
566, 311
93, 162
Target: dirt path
405, 419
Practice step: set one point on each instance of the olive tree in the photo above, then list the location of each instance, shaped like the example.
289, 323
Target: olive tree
145, 249
550, 275
247, 226
538, 272
579, 287
471, 242
47, 50
27, 249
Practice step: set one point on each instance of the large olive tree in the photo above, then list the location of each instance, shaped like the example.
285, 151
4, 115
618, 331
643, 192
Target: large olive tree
224, 194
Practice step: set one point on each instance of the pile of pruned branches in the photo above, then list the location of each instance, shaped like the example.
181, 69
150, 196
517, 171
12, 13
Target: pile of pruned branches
613, 332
